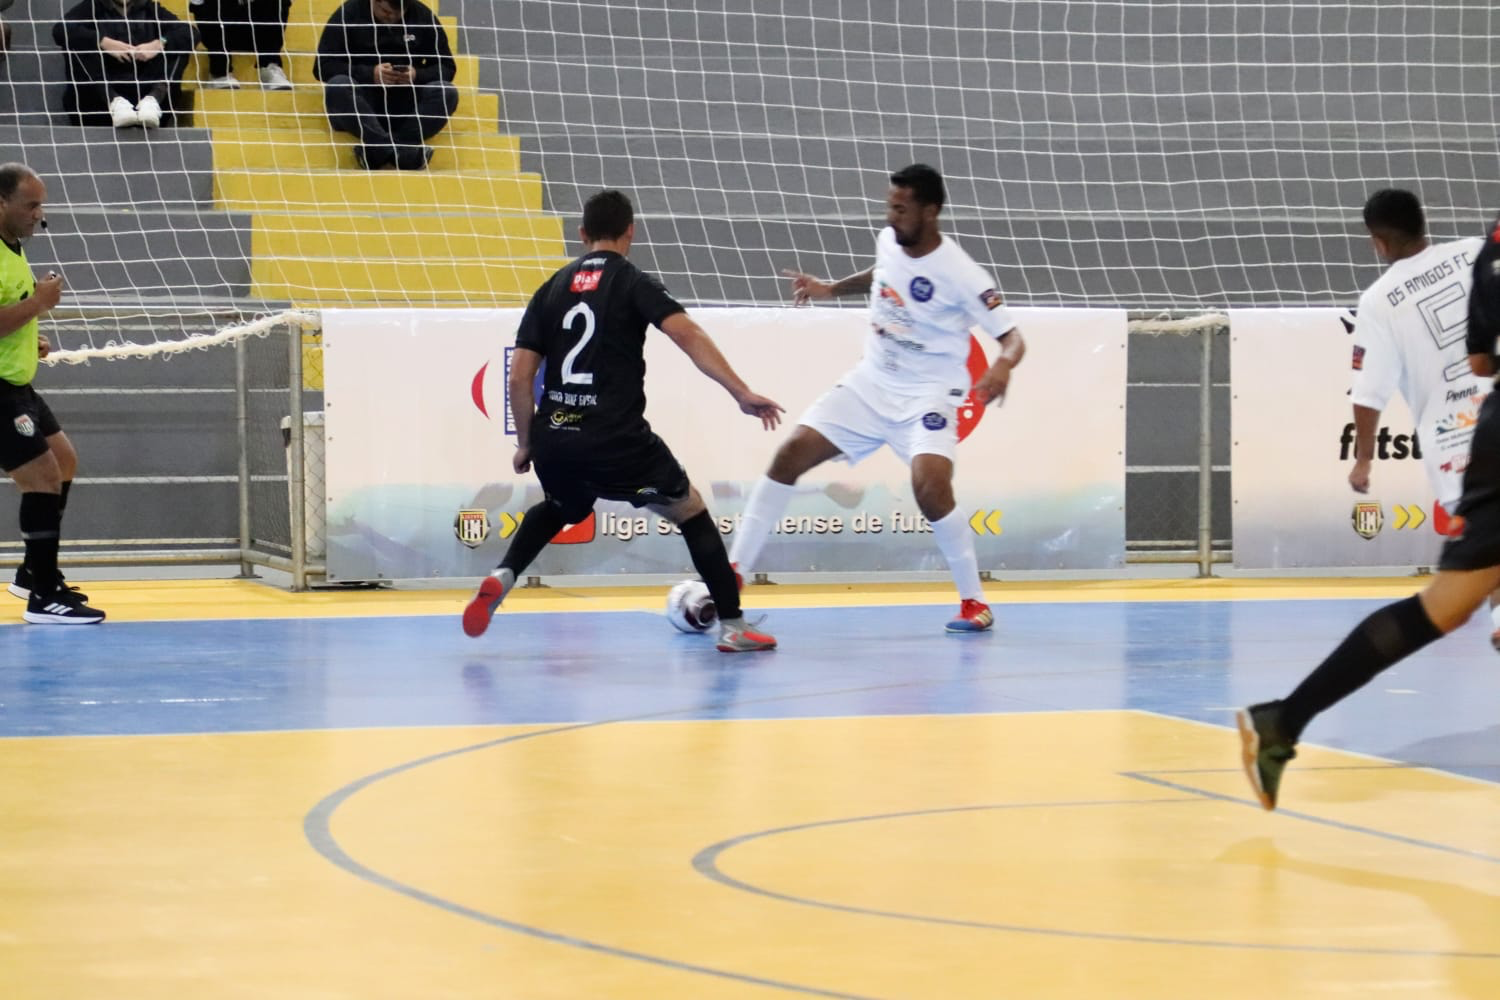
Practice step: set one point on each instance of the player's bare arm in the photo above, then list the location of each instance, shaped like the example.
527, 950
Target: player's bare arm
993, 383
805, 287
524, 364
699, 346
1482, 365
44, 300
1366, 422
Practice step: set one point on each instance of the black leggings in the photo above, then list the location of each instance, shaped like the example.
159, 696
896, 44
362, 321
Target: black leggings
254, 26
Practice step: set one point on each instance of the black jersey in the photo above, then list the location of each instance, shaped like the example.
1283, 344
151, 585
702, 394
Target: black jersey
1484, 297
588, 321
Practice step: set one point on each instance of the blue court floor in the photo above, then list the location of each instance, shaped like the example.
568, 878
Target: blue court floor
1195, 660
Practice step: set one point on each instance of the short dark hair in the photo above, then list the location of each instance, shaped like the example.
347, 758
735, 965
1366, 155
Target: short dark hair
924, 182
1395, 212
607, 215
11, 176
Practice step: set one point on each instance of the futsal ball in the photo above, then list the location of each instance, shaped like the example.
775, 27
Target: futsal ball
690, 608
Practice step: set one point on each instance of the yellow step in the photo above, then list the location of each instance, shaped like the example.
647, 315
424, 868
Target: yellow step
518, 239
398, 282
296, 149
348, 191
303, 109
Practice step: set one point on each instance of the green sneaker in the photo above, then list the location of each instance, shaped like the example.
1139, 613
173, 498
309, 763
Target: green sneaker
1264, 750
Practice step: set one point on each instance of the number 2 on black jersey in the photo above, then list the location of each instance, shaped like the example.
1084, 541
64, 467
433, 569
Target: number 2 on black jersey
569, 375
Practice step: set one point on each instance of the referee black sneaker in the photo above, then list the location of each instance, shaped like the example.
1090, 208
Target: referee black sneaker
62, 607
21, 585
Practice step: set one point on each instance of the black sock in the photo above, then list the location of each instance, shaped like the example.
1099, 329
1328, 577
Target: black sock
41, 521
1390, 634
62, 497
537, 528
706, 546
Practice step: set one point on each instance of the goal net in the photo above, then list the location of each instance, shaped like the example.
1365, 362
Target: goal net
1144, 155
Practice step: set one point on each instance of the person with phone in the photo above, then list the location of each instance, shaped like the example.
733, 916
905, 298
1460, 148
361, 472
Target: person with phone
387, 73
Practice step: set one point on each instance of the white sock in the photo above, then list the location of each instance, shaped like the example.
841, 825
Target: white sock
956, 540
764, 508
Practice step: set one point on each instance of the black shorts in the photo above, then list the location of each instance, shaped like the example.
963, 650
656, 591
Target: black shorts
26, 422
639, 470
1478, 546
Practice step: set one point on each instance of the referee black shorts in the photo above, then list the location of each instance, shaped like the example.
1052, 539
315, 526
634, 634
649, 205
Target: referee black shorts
639, 470
26, 422
1478, 546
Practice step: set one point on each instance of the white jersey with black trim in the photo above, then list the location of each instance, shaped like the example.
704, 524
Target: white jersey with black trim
1409, 338
921, 312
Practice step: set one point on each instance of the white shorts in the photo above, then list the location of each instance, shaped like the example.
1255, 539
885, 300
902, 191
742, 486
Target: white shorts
911, 428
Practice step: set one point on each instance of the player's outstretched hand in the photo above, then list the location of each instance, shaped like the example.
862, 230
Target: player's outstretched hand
43, 346
805, 287
1359, 476
768, 410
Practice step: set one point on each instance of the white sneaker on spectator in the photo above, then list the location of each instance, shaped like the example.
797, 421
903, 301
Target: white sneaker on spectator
273, 77
226, 82
149, 112
122, 113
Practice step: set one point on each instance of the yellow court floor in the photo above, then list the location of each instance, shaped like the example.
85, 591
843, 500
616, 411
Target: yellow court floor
330, 796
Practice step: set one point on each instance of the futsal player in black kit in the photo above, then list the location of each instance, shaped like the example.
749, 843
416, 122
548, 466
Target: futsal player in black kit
588, 436
1468, 571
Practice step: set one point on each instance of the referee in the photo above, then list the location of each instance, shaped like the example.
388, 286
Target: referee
588, 436
33, 449
1468, 571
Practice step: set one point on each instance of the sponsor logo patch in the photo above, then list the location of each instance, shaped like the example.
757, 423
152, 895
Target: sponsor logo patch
1359, 358
586, 281
991, 299
25, 427
934, 421
472, 527
922, 289
1367, 520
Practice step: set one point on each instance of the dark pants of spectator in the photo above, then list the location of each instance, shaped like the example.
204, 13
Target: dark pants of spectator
389, 117
99, 78
257, 26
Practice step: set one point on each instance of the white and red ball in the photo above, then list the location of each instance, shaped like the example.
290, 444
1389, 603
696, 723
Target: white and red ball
690, 608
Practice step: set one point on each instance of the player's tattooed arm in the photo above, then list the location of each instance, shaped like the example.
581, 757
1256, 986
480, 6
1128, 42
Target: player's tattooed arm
805, 287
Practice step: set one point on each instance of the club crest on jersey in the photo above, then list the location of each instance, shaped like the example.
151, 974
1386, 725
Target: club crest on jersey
586, 281
1359, 358
922, 289
1367, 519
934, 421
25, 427
991, 298
472, 527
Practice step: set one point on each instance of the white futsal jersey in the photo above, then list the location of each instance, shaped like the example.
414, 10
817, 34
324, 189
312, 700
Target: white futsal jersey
1409, 337
921, 312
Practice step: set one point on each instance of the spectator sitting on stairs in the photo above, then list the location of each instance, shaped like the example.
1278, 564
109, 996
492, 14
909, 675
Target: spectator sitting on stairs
253, 26
387, 74
125, 61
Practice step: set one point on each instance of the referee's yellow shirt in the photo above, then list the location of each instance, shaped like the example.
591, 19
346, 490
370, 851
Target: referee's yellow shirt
17, 350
